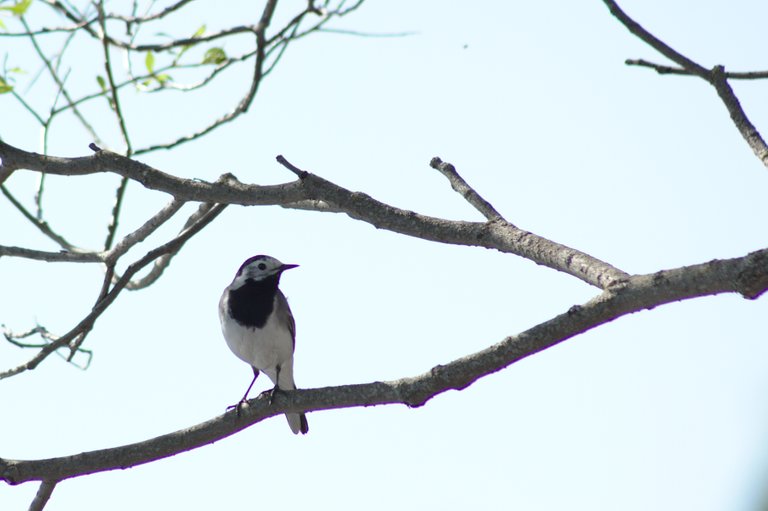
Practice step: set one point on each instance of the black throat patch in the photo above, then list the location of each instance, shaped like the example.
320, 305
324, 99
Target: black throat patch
252, 303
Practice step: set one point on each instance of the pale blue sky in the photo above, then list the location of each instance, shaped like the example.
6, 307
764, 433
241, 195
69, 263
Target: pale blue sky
663, 409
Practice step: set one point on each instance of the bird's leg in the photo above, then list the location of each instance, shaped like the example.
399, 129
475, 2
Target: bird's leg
245, 396
276, 388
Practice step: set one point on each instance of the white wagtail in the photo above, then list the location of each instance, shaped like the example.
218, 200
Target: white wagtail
259, 327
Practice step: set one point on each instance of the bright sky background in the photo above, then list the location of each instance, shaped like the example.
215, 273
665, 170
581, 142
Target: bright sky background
531, 101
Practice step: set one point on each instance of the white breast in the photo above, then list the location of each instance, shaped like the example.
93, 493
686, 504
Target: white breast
264, 348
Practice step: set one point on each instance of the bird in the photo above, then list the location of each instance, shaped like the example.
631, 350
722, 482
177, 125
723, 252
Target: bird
259, 328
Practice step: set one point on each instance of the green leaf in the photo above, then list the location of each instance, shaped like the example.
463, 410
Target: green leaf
163, 78
150, 62
102, 83
4, 86
199, 32
18, 9
2, 25
214, 56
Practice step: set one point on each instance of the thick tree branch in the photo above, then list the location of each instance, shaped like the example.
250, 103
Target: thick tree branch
746, 275
312, 189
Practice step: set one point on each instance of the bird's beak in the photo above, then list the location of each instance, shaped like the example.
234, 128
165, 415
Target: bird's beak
287, 267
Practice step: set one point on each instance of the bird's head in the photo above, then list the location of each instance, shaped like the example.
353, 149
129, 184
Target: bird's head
261, 267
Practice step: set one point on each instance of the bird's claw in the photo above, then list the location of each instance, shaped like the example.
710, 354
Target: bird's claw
238, 406
271, 393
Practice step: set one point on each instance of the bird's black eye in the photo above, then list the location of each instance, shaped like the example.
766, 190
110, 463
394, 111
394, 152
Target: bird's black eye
262, 266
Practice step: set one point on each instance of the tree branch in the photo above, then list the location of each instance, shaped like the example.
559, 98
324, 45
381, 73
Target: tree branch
656, 43
42, 496
747, 275
86, 324
717, 77
670, 70
462, 188
501, 236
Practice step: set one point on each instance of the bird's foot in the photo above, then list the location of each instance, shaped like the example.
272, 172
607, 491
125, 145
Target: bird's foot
238, 406
271, 393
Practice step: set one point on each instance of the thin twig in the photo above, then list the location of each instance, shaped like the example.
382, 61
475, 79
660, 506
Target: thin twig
717, 77
246, 101
162, 262
738, 116
145, 230
671, 70
42, 225
115, 103
655, 42
60, 83
357, 33
462, 188
301, 174
51, 257
115, 97
88, 321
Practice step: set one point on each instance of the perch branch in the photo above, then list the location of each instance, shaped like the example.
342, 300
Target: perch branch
747, 275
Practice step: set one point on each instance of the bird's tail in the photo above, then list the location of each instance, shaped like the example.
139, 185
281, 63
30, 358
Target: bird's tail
284, 380
298, 423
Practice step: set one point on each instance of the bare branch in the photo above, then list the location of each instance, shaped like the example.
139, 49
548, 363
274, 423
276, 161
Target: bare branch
145, 230
152, 17
60, 84
717, 77
655, 42
462, 188
659, 68
162, 262
246, 101
747, 275
670, 70
40, 224
51, 257
86, 324
501, 236
42, 496
738, 116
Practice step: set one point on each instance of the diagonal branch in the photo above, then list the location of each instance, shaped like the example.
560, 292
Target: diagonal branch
42, 225
656, 43
163, 261
43, 495
738, 116
462, 188
747, 275
106, 299
717, 77
246, 101
313, 189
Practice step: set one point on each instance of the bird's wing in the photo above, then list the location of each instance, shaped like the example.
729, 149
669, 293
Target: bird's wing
283, 312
